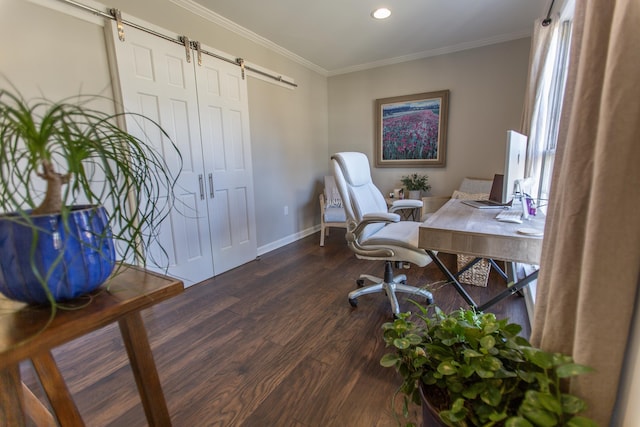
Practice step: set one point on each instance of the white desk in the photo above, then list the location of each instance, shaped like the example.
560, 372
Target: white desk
460, 229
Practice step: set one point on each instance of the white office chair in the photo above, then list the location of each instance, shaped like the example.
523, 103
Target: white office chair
373, 233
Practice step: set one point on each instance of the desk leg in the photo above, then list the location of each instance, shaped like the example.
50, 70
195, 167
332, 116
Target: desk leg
11, 402
515, 288
463, 293
501, 272
57, 391
144, 370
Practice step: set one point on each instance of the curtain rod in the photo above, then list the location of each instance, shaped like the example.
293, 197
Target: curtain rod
238, 61
546, 21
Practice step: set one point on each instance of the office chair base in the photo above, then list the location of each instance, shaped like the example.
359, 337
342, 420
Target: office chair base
390, 285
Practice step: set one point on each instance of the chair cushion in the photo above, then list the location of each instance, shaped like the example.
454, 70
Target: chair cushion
331, 193
335, 215
469, 196
402, 238
402, 233
475, 185
362, 197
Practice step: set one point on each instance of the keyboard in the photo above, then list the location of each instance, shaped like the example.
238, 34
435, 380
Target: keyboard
510, 215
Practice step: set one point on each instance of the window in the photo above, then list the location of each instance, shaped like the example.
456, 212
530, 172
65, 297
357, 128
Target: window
546, 128
553, 61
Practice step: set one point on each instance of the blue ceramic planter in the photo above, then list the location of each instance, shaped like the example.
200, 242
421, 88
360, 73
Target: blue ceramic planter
75, 259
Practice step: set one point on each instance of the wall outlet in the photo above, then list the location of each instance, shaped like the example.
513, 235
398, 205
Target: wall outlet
286, 210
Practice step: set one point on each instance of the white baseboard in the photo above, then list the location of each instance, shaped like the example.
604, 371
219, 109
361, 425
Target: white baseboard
289, 239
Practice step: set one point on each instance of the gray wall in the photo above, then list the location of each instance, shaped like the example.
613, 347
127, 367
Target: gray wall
486, 96
293, 132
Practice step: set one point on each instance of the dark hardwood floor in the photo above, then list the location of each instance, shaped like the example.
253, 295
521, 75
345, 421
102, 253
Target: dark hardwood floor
271, 343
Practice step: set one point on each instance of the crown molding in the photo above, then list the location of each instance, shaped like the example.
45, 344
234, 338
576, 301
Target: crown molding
220, 20
433, 52
213, 17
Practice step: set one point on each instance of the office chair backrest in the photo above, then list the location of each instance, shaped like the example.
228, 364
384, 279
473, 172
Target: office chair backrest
359, 194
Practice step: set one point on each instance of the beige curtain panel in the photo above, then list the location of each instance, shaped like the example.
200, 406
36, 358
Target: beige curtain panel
590, 265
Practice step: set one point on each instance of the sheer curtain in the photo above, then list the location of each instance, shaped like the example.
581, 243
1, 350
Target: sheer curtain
543, 99
590, 267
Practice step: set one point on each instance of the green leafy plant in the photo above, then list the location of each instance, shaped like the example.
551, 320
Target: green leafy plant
55, 155
416, 182
477, 371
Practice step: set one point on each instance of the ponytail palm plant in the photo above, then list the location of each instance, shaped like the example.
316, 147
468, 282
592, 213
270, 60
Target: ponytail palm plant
61, 157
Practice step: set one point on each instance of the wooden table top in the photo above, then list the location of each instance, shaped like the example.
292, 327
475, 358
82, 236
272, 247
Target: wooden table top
461, 229
24, 330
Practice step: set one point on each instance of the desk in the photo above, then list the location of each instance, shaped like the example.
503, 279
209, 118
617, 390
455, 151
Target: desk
21, 337
460, 229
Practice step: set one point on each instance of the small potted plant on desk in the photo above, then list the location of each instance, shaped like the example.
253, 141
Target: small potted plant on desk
470, 369
415, 184
74, 188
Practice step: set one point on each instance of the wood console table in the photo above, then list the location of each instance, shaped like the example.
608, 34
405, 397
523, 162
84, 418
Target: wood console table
21, 337
457, 228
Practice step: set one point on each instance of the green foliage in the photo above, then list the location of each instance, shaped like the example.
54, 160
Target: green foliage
55, 155
415, 182
488, 374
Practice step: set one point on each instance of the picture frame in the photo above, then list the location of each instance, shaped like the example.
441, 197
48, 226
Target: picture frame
411, 130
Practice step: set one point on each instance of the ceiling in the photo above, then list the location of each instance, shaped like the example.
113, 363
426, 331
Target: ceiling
338, 36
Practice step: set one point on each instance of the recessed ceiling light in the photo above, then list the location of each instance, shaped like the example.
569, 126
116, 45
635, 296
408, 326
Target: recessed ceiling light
381, 13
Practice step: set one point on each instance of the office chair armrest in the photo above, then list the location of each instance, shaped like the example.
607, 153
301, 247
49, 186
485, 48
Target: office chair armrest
354, 231
380, 217
405, 204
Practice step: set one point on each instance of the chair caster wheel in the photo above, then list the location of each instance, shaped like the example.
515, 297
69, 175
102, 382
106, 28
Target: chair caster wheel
360, 282
353, 302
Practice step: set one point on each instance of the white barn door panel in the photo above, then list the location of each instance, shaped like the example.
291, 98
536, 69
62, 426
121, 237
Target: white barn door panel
200, 239
222, 97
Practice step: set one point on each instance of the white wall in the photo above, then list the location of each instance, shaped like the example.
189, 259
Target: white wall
486, 96
47, 53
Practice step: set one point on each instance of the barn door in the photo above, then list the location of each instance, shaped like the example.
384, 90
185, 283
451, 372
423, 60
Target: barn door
201, 235
224, 124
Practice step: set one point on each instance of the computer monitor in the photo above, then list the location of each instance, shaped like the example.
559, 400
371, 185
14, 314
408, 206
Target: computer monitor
515, 155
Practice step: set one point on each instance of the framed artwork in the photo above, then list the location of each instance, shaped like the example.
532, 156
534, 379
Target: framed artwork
411, 130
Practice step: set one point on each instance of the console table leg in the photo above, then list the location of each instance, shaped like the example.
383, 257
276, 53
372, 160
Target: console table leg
11, 402
135, 339
53, 384
36, 411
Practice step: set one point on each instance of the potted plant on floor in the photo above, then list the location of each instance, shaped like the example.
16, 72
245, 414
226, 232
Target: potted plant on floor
74, 189
471, 369
415, 184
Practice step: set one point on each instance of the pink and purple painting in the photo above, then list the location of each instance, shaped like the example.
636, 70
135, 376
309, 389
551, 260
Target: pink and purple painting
412, 130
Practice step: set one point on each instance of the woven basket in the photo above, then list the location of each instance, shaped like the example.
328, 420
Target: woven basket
478, 275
